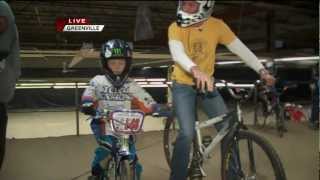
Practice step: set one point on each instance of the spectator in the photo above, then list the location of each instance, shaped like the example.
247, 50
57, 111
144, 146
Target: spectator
9, 67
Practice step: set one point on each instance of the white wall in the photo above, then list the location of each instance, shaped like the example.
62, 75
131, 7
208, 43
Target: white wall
53, 124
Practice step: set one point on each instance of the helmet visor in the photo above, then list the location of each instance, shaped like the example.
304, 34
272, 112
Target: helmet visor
190, 7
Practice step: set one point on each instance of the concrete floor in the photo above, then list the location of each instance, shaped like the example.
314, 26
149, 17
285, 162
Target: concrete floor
68, 157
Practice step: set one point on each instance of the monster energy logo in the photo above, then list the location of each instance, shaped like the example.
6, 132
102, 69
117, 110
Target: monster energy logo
117, 51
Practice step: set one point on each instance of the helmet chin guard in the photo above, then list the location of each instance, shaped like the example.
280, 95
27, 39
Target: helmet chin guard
204, 11
116, 80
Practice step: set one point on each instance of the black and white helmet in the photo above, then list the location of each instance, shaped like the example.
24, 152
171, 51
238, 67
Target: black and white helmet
116, 49
204, 11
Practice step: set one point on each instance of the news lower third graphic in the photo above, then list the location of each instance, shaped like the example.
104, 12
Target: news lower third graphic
76, 24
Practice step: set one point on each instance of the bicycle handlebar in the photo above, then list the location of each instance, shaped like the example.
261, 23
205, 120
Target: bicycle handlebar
232, 92
160, 111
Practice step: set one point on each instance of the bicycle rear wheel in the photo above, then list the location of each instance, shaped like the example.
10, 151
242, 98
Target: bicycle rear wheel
281, 126
260, 114
253, 158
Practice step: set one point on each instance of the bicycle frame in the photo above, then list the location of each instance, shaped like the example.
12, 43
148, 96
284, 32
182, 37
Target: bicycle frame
206, 151
124, 145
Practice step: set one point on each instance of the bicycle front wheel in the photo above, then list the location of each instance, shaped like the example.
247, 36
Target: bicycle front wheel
123, 172
248, 156
126, 172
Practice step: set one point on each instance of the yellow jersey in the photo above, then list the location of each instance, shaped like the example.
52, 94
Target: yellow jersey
200, 45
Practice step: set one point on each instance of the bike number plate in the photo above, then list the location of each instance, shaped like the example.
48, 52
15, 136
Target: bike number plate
127, 122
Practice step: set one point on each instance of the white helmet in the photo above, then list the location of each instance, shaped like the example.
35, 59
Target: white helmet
203, 12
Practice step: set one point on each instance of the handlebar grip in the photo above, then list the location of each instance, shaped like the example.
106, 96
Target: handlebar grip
162, 110
162, 114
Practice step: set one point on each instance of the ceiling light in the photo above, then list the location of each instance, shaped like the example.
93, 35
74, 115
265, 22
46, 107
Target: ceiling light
139, 80
154, 85
164, 66
147, 67
156, 79
297, 58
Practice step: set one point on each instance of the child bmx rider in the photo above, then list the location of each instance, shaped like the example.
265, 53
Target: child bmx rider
113, 91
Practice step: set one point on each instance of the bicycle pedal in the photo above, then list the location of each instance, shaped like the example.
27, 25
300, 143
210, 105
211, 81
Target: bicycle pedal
206, 140
197, 172
195, 178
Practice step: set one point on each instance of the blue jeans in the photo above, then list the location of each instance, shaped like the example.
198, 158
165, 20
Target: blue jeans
184, 103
